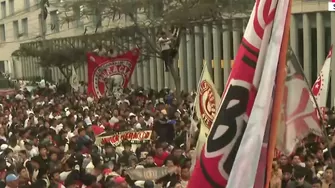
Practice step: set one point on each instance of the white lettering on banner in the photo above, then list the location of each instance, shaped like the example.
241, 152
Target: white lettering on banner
116, 139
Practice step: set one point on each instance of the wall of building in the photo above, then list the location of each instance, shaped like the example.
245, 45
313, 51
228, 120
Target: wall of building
312, 33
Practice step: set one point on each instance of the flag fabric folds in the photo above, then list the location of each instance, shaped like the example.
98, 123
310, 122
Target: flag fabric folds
218, 154
298, 116
107, 76
248, 155
74, 80
206, 104
321, 85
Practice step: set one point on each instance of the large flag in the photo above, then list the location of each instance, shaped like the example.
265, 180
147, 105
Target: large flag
249, 152
218, 154
74, 80
110, 75
206, 105
321, 85
298, 117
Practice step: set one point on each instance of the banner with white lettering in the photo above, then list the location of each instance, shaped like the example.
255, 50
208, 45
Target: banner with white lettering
153, 173
107, 75
116, 139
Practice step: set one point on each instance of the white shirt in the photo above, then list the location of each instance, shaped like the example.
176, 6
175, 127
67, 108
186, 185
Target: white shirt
114, 120
164, 45
150, 122
19, 96
63, 175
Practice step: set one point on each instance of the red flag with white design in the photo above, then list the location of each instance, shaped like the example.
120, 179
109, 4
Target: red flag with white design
107, 76
321, 85
218, 154
298, 115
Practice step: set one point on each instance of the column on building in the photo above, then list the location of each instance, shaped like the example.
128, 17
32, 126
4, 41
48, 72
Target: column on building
226, 37
208, 43
153, 73
183, 62
23, 61
199, 51
166, 78
160, 73
217, 57
294, 35
320, 37
237, 28
332, 64
30, 69
153, 65
191, 69
146, 70
139, 68
175, 65
131, 44
307, 47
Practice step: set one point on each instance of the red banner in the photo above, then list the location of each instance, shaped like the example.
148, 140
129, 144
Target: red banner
106, 75
116, 139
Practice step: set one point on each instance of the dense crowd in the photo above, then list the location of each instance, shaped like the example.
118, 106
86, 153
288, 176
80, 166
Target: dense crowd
48, 139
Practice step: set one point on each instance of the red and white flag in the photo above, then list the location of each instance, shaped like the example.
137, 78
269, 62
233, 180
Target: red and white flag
248, 157
321, 85
218, 154
107, 75
298, 115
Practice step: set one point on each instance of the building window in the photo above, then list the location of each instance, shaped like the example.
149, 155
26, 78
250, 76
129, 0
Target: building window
24, 23
16, 29
11, 7
26, 4
3, 9
54, 21
2, 33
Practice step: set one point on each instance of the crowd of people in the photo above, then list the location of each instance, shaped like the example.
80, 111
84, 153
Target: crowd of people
48, 139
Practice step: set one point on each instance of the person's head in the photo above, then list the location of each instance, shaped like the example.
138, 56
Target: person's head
127, 146
177, 152
159, 150
299, 175
328, 175
309, 161
149, 159
115, 113
43, 150
287, 172
54, 156
316, 183
283, 160
81, 132
23, 155
171, 162
23, 172
54, 175
163, 34
149, 184
109, 148
12, 180
185, 172
296, 160
120, 182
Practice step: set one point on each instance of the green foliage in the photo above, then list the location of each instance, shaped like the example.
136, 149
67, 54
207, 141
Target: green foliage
52, 57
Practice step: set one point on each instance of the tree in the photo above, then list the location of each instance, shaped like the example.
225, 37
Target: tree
156, 15
52, 55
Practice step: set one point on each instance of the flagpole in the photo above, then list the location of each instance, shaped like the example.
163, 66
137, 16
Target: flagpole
279, 95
